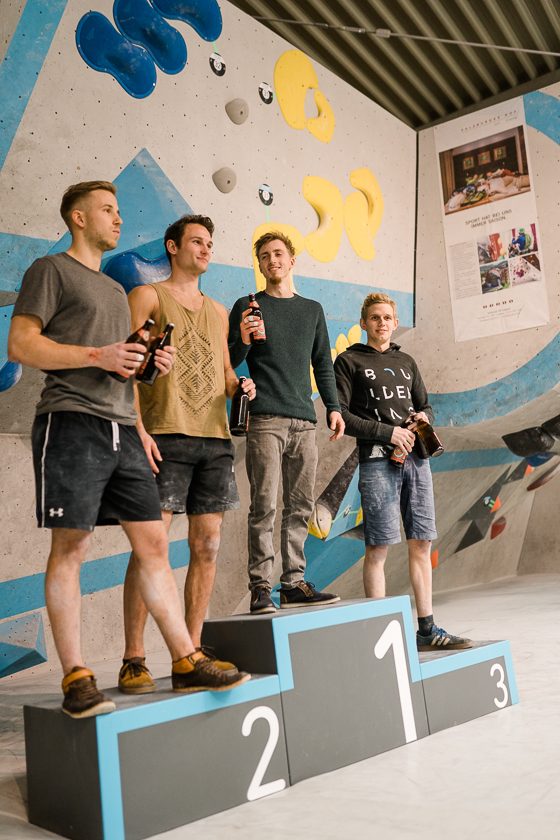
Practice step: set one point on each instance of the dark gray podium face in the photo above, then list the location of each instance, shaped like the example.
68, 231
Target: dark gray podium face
182, 770
467, 693
61, 756
346, 704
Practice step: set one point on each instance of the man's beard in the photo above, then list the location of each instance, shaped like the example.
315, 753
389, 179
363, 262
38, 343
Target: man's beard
274, 280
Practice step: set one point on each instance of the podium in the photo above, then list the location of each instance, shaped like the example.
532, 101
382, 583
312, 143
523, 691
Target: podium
331, 686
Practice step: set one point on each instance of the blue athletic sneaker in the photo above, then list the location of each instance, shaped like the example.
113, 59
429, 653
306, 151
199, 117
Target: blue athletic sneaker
441, 640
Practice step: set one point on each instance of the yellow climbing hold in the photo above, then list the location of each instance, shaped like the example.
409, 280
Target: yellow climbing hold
322, 126
320, 522
354, 334
341, 344
363, 211
324, 242
293, 77
288, 230
359, 519
314, 389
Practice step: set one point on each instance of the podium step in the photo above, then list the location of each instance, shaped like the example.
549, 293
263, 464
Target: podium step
331, 686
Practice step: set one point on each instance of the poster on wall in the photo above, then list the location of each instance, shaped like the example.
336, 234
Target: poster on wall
491, 230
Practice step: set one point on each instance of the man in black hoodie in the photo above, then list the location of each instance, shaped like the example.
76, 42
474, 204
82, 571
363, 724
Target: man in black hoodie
379, 387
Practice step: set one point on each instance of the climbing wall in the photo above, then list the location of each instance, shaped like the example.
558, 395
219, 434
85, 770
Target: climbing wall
187, 108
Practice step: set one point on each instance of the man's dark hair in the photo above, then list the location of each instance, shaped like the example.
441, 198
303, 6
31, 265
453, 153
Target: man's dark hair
270, 237
176, 230
77, 192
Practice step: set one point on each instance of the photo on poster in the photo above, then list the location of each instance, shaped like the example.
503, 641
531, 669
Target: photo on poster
525, 269
494, 278
522, 240
491, 249
484, 171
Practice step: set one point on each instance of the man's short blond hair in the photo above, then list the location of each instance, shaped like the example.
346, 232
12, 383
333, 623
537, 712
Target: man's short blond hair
266, 238
77, 192
377, 297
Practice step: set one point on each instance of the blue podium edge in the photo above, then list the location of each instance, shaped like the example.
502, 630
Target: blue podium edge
110, 726
283, 626
474, 656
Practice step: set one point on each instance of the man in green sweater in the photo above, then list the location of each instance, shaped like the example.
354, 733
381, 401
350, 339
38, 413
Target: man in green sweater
281, 437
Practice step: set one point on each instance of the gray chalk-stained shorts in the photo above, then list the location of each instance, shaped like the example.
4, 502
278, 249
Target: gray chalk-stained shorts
389, 492
90, 471
196, 474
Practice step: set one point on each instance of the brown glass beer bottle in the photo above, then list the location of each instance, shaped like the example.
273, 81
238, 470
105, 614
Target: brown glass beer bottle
148, 372
141, 336
239, 413
258, 337
425, 432
398, 456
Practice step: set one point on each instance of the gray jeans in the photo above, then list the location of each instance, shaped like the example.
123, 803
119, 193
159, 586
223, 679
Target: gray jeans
279, 445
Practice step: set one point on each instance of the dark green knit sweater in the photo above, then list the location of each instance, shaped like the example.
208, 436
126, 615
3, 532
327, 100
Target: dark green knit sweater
296, 334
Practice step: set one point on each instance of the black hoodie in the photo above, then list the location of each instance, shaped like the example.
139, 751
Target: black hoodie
378, 391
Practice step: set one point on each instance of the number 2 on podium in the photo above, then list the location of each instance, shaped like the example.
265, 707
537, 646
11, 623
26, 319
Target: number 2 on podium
256, 789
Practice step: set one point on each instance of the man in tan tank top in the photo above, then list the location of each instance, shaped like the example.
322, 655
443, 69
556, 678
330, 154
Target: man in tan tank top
182, 422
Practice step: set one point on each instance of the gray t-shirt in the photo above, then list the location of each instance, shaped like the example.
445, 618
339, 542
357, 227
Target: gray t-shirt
86, 308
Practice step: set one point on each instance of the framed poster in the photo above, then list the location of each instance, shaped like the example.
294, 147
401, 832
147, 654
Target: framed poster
492, 240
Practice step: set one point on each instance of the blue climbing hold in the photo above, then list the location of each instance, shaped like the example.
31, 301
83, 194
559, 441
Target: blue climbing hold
203, 15
539, 458
10, 374
137, 21
131, 270
106, 50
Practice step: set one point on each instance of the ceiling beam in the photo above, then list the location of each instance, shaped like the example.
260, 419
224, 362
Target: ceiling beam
534, 31
472, 55
509, 33
419, 54
358, 44
462, 77
497, 56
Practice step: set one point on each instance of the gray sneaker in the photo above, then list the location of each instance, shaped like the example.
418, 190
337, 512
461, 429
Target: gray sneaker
441, 640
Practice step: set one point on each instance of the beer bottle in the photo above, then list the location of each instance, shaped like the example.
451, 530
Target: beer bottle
239, 413
425, 432
258, 337
398, 456
148, 372
141, 336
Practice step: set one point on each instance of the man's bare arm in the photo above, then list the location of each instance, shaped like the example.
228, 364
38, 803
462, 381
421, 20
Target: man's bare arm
144, 303
229, 373
27, 346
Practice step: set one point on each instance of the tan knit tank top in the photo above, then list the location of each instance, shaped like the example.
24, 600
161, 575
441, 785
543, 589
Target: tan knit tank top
191, 399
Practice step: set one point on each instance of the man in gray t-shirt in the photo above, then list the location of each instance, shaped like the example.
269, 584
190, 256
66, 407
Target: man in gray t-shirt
71, 321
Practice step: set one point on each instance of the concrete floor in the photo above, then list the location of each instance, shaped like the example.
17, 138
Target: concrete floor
495, 777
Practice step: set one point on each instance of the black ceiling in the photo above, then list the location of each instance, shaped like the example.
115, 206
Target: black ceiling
423, 82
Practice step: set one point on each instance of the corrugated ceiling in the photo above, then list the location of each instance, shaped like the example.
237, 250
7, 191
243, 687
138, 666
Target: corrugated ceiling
423, 82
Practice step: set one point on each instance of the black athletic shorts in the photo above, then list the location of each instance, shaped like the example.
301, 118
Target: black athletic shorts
196, 475
90, 471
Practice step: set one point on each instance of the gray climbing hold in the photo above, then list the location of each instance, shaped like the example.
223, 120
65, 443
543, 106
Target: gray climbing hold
237, 111
225, 179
